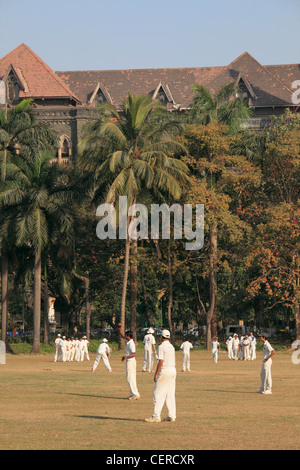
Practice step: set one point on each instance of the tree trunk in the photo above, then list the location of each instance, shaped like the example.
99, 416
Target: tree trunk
133, 287
213, 282
36, 347
170, 304
297, 319
46, 313
124, 291
4, 296
86, 281
146, 306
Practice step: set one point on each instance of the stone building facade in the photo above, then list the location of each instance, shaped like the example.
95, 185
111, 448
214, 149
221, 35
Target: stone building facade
68, 99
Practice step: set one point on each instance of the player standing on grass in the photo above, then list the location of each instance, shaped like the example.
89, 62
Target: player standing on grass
103, 352
215, 349
149, 350
265, 375
129, 357
57, 348
186, 357
165, 379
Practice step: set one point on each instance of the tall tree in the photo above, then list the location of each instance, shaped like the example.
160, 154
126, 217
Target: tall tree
130, 151
20, 133
37, 195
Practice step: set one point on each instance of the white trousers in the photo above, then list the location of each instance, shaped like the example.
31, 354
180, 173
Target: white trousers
265, 375
148, 359
230, 353
253, 353
64, 354
215, 356
131, 376
185, 360
235, 352
247, 353
73, 353
101, 355
84, 352
164, 392
57, 354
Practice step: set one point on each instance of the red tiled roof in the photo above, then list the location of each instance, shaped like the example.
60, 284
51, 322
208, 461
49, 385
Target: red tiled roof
138, 81
37, 78
268, 88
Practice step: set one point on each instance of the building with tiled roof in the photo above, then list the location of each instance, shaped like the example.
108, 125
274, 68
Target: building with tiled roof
67, 99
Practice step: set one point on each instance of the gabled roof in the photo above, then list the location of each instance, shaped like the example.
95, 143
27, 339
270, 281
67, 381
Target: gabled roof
38, 80
119, 83
268, 89
102, 88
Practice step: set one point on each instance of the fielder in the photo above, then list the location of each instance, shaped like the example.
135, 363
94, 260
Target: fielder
246, 348
265, 375
103, 352
165, 380
241, 355
235, 347
186, 348
57, 348
129, 357
229, 348
64, 349
252, 348
215, 349
149, 350
85, 349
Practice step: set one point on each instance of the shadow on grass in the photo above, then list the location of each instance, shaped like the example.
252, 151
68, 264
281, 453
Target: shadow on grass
109, 418
95, 396
230, 391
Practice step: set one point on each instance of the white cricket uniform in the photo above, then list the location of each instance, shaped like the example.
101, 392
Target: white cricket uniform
164, 390
64, 350
77, 350
246, 348
57, 349
215, 346
235, 348
229, 348
131, 369
252, 348
241, 355
103, 352
266, 377
186, 348
148, 341
73, 350
68, 350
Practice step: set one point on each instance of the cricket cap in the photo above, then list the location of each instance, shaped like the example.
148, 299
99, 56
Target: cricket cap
105, 340
165, 334
150, 331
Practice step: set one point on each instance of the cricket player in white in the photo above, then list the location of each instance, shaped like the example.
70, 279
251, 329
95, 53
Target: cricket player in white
252, 348
241, 355
215, 349
165, 380
246, 348
229, 347
129, 357
64, 349
149, 350
265, 375
85, 349
77, 350
57, 348
235, 347
103, 352
186, 348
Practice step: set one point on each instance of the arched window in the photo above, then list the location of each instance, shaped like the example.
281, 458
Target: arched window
65, 151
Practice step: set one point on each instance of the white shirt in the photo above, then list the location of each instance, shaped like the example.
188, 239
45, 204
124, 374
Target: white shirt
148, 341
166, 353
252, 342
215, 346
246, 342
235, 342
58, 341
130, 349
103, 348
229, 342
267, 349
186, 346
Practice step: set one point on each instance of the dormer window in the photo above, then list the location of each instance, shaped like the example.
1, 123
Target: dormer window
100, 98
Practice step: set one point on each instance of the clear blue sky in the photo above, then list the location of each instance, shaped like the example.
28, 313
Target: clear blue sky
120, 34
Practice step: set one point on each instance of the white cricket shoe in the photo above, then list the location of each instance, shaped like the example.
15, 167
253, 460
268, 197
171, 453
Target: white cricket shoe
153, 420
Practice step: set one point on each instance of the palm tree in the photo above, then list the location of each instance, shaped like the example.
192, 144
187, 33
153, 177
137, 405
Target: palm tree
20, 133
37, 198
224, 107
130, 151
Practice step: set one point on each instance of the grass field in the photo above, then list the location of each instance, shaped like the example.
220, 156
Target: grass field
63, 406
